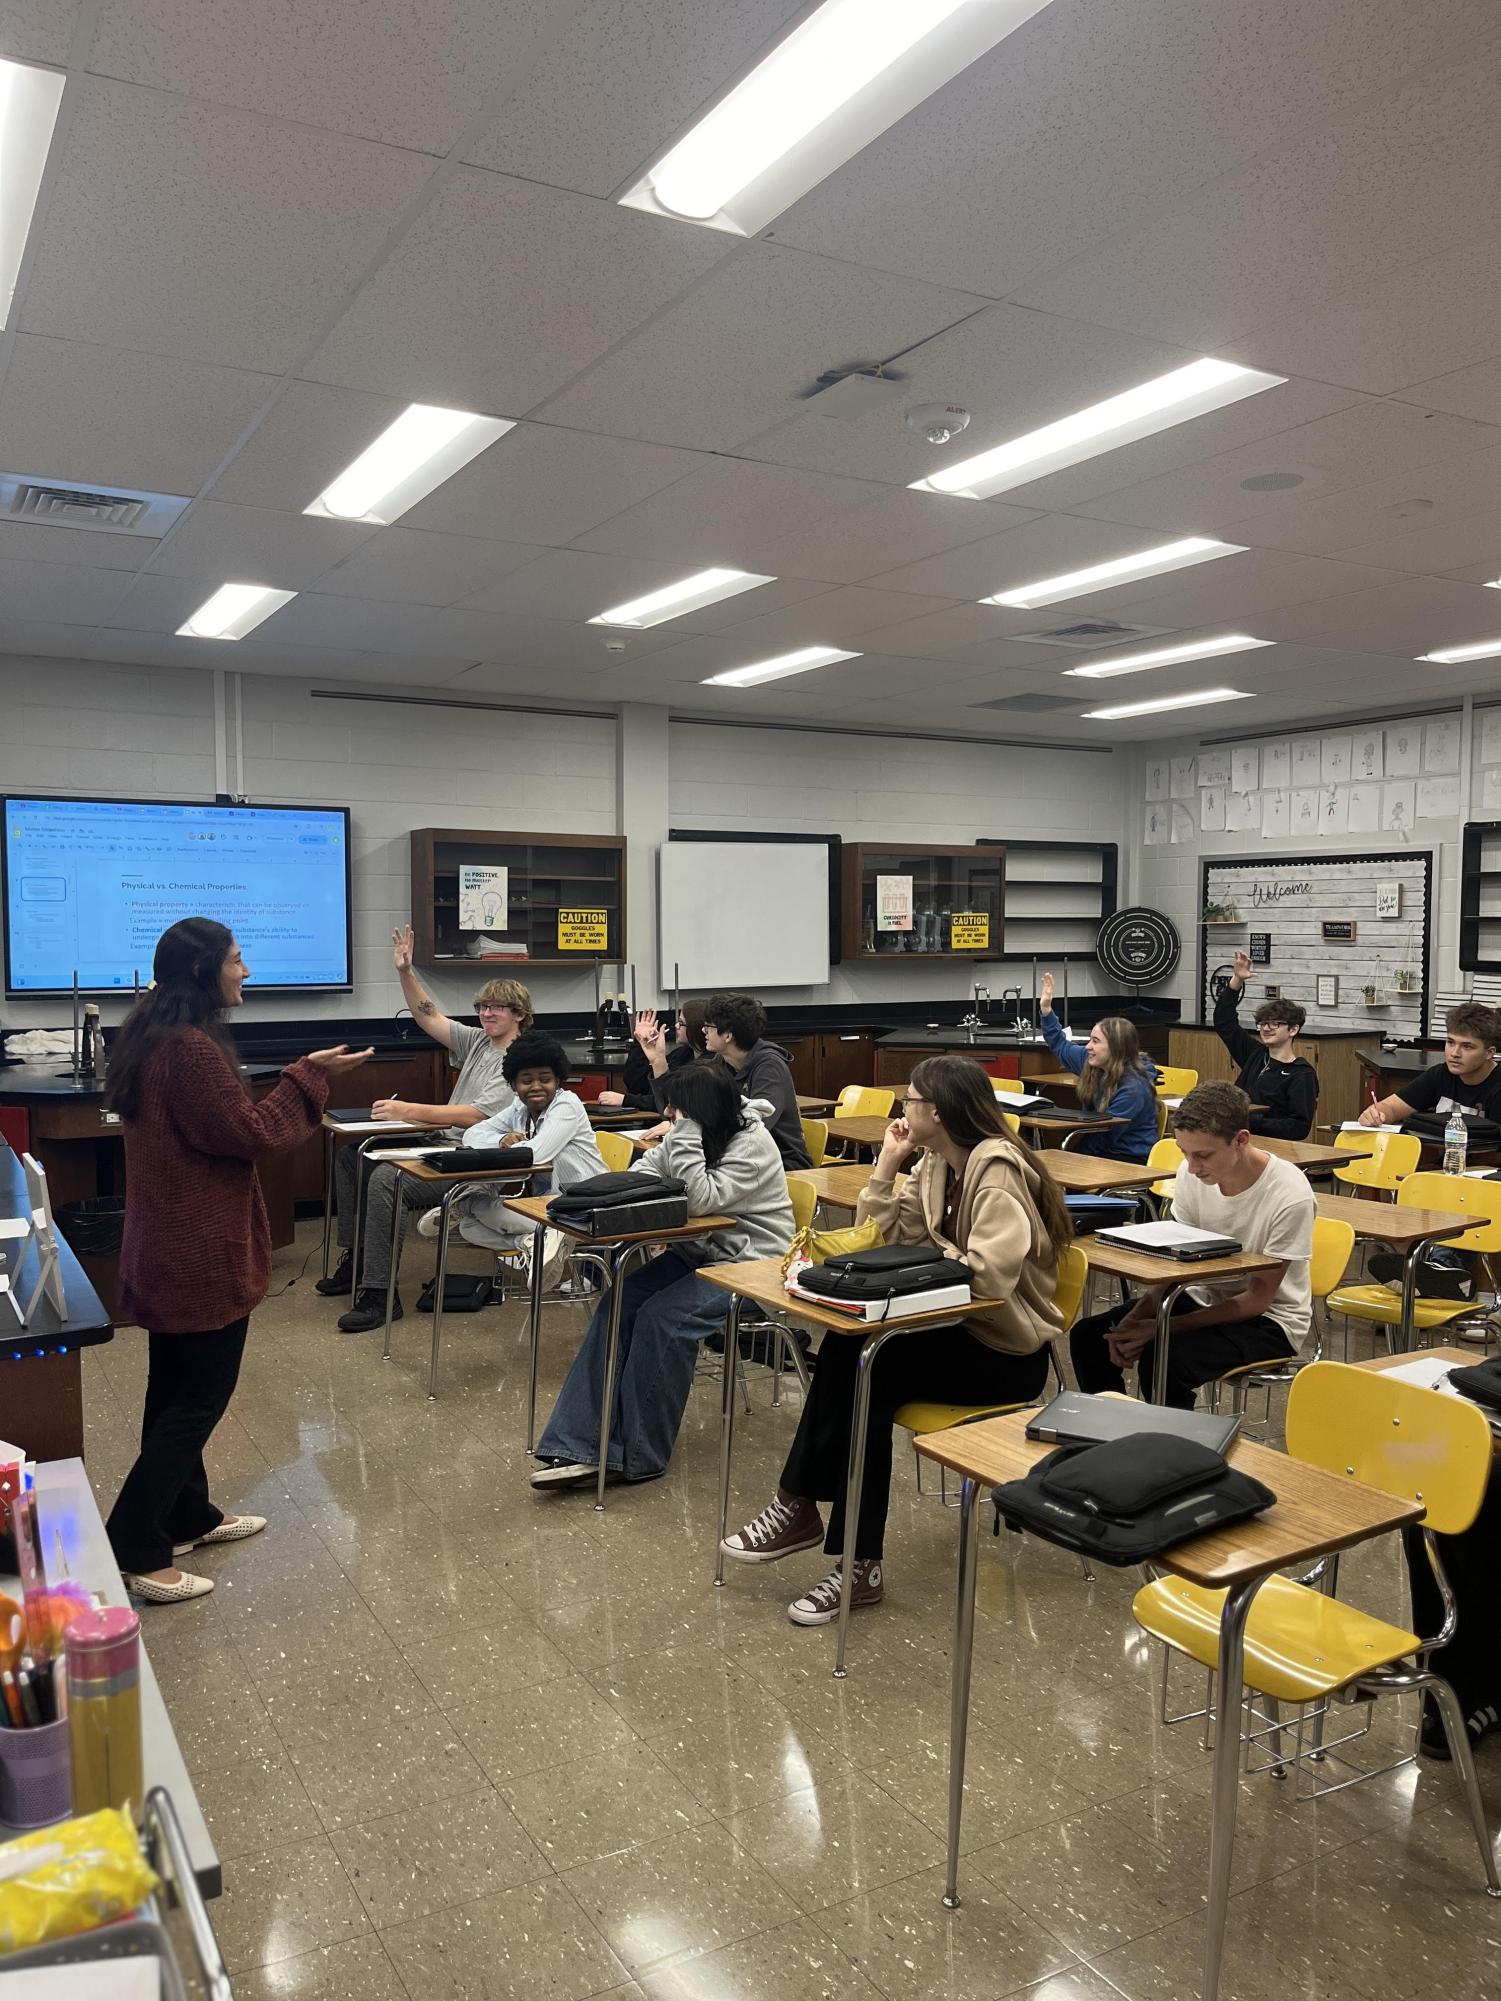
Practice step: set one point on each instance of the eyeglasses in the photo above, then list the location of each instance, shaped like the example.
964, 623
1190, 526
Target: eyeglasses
910, 1100
491, 1007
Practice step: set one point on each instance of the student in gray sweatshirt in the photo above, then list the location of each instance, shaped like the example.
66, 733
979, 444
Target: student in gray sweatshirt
735, 1035
729, 1164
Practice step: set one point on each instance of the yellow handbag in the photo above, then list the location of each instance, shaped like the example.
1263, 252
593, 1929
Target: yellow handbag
816, 1245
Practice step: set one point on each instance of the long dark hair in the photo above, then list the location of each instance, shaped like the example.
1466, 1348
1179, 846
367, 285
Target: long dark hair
964, 1099
711, 1098
187, 993
1099, 1086
692, 1012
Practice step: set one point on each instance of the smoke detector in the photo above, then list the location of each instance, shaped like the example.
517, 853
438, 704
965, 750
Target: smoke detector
938, 422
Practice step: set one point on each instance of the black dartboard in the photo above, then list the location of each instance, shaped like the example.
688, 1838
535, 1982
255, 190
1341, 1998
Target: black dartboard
1138, 946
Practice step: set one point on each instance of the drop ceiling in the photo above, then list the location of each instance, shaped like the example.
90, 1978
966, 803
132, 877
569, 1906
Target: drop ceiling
266, 230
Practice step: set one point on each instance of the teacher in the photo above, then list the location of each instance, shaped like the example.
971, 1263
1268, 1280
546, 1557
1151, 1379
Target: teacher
196, 1257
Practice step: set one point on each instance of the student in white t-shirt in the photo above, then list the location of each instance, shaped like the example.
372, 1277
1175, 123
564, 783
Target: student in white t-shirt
1228, 1185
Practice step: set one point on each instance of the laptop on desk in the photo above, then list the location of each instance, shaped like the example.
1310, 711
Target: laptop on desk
1171, 1240
1073, 1418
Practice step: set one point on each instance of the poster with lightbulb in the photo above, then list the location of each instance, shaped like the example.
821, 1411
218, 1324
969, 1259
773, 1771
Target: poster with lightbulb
483, 891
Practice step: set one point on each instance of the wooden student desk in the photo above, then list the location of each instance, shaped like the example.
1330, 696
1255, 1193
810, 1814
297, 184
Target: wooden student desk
840, 1185
1316, 1512
1311, 1155
1141, 1268
624, 1251
342, 1125
871, 1132
1406, 1231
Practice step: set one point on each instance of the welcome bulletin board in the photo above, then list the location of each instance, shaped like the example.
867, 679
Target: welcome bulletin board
1345, 935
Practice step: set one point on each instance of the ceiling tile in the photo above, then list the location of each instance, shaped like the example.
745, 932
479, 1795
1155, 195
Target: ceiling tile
615, 85
160, 603
100, 415
38, 31
1048, 545
1451, 493
578, 584
545, 486
1436, 547
1468, 392
734, 512
407, 566
31, 541
1245, 588
982, 630
732, 357
381, 69
303, 442
898, 529
189, 230
256, 545
72, 593
447, 319
1403, 619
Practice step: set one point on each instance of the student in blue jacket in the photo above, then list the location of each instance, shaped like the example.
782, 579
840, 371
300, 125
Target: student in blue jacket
1113, 1076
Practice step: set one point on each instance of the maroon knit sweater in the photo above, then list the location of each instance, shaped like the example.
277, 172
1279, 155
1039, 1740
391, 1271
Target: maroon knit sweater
197, 1248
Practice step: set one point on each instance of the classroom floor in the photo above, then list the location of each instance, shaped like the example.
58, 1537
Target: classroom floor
458, 1740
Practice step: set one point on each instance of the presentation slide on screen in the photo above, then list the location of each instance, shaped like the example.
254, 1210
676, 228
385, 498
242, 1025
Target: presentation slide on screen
92, 885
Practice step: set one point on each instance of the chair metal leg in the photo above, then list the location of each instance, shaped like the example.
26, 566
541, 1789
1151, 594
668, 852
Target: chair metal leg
726, 1434
1226, 1780
740, 1377
856, 1479
439, 1282
535, 1331
964, 1649
620, 1264
1464, 1763
328, 1197
395, 1258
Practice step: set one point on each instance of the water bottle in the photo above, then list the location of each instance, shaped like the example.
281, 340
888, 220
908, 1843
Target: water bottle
1456, 1141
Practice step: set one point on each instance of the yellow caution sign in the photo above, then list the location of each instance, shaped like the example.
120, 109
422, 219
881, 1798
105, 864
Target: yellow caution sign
583, 930
969, 931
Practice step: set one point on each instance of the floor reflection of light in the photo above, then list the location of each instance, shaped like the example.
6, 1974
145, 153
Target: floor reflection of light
795, 1767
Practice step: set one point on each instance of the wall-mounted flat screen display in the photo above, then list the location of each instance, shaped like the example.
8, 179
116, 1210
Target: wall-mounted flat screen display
89, 885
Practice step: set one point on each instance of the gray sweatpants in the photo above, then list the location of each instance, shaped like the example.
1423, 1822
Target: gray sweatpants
380, 1184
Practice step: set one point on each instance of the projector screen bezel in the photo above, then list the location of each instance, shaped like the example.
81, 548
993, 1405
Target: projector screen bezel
254, 989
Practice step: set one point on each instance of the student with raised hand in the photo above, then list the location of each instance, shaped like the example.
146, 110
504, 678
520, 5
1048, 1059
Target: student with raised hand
1272, 1073
504, 1008
1114, 1078
977, 1193
1227, 1184
735, 1032
1469, 1078
546, 1122
653, 1056
728, 1162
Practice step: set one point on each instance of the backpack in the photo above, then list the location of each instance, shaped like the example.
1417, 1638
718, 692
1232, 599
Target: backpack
885, 1271
1482, 1134
460, 1294
1481, 1383
477, 1159
621, 1205
1130, 1500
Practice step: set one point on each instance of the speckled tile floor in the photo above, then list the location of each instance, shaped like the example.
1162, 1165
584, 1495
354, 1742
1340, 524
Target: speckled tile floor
458, 1742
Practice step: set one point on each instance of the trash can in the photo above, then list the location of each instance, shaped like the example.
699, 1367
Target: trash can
94, 1227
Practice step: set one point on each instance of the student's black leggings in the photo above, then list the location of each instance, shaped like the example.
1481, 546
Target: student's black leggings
941, 1365
1471, 1663
190, 1380
1200, 1356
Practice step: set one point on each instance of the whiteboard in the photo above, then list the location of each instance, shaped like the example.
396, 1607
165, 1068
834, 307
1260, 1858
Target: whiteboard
743, 914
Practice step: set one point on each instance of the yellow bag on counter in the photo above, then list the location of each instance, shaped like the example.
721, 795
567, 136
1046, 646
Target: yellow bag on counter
60, 1880
816, 1245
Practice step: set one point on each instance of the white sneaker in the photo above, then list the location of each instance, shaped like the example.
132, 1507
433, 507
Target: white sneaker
820, 1606
555, 1248
558, 1479
428, 1222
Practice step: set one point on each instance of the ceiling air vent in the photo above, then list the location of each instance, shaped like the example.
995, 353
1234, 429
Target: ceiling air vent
1033, 705
103, 510
1087, 632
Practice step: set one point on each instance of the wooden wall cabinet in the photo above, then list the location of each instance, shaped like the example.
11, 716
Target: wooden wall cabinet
957, 893
546, 874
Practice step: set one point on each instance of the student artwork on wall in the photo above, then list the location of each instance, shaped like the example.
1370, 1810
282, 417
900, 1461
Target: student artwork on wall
1490, 736
1183, 823
1182, 777
1490, 793
1367, 757
1245, 767
1334, 809
1438, 798
1399, 806
1214, 767
1156, 778
1241, 813
1212, 809
1364, 804
1276, 814
1404, 751
1276, 764
1305, 813
1308, 761
1334, 760
1441, 745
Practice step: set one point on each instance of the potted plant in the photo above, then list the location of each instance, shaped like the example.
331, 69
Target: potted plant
1368, 993
1221, 913
1407, 979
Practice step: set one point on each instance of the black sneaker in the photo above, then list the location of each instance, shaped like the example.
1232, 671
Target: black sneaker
1432, 1742
339, 1282
369, 1310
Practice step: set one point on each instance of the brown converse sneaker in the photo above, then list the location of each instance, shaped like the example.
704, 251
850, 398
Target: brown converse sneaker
820, 1606
781, 1529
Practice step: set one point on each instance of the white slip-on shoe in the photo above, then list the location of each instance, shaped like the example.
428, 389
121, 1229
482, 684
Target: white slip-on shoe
152, 1593
233, 1528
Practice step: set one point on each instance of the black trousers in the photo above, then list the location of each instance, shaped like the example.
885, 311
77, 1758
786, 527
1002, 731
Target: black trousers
1471, 1663
940, 1365
1192, 1359
189, 1382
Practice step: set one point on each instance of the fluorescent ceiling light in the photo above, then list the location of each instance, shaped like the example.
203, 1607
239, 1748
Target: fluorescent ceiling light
28, 112
1198, 701
1123, 570
1167, 656
234, 610
1120, 420
1494, 584
424, 446
844, 75
773, 670
675, 600
1452, 656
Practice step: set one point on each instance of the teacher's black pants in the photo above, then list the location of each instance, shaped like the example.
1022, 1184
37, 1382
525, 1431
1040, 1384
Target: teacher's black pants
190, 1380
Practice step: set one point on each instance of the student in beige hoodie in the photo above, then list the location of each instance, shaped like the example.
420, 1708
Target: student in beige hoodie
980, 1194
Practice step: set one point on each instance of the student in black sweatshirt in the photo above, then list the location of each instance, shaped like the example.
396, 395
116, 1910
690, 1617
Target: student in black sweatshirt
735, 1031
1271, 1072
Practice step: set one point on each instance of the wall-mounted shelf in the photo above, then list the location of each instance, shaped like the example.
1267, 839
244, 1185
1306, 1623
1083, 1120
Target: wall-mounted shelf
946, 883
1088, 870
545, 873
1480, 898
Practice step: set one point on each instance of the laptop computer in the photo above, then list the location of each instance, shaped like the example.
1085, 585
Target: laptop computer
1073, 1418
1171, 1240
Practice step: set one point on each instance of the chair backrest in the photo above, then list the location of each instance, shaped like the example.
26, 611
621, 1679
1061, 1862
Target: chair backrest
1008, 1087
1418, 1444
865, 1101
1332, 1244
804, 1198
1166, 1157
1173, 1081
1480, 1199
1073, 1270
1013, 1123
1378, 1160
615, 1150
1164, 1112
816, 1140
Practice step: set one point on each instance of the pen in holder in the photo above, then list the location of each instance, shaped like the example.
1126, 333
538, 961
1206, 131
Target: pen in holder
36, 1785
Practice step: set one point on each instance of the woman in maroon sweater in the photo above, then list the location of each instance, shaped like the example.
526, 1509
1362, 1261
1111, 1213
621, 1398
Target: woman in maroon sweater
196, 1258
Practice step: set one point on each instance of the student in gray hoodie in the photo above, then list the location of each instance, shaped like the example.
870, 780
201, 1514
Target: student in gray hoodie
728, 1162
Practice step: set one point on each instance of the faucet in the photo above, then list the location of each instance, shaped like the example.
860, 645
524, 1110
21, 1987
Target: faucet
982, 1005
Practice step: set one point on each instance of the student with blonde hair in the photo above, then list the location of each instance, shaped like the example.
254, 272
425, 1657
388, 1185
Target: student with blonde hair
1114, 1077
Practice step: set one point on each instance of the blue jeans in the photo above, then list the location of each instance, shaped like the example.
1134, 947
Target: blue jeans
666, 1311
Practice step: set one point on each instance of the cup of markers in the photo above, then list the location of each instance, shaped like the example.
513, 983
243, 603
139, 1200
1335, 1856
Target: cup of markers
35, 1768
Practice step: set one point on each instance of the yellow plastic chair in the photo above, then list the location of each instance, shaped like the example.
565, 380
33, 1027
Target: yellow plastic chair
1378, 1160
1009, 1087
1174, 1081
816, 1140
1166, 1158
1304, 1646
1164, 1113
804, 1198
1333, 1243
864, 1101
920, 1418
1480, 1199
1013, 1122
615, 1150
